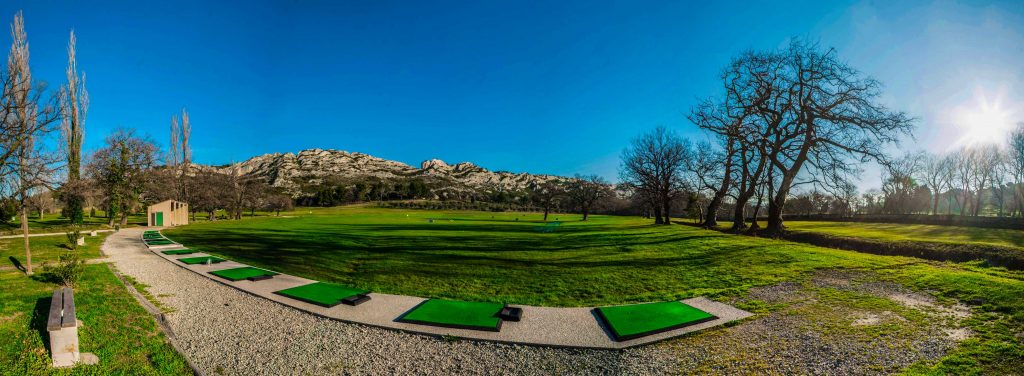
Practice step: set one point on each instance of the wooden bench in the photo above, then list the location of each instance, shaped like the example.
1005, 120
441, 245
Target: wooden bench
62, 325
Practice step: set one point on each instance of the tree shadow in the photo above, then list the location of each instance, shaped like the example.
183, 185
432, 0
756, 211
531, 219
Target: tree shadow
40, 314
17, 264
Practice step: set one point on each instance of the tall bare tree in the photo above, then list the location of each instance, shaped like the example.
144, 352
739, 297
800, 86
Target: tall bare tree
74, 106
937, 172
27, 118
831, 118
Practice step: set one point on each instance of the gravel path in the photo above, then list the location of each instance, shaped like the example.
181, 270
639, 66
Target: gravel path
225, 331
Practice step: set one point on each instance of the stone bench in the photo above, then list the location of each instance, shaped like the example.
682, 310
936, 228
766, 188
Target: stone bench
62, 325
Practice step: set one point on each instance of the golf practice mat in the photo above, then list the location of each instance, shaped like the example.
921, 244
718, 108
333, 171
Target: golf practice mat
326, 294
159, 242
637, 320
456, 314
201, 260
178, 252
245, 272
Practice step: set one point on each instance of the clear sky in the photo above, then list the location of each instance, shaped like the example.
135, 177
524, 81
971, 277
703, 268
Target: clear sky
553, 87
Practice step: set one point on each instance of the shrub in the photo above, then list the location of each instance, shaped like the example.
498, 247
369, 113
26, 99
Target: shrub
69, 268
73, 238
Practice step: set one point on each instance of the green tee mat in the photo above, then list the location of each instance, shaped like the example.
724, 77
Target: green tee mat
201, 260
159, 242
245, 272
178, 252
638, 320
456, 314
322, 293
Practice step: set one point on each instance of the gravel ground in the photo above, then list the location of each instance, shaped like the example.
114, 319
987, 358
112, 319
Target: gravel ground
225, 331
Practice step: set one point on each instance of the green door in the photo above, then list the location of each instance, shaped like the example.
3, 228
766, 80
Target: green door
159, 218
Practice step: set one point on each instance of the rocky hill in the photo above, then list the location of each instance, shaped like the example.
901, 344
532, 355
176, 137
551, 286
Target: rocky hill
312, 167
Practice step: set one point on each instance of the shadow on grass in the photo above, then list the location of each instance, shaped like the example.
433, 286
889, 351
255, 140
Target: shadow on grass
17, 264
40, 313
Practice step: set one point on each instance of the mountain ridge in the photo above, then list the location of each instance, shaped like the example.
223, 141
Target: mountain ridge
311, 167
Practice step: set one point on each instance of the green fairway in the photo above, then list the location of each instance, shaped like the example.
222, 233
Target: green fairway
201, 260
916, 233
607, 260
245, 272
638, 320
456, 314
178, 252
320, 293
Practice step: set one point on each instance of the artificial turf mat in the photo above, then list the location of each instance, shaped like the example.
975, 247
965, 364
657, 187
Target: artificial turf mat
245, 272
456, 314
159, 242
178, 252
321, 293
637, 320
201, 260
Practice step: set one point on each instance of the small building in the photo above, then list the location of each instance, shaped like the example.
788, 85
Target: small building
167, 213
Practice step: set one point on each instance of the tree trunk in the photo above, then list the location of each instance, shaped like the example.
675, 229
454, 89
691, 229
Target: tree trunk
586, 213
24, 232
657, 215
935, 205
546, 214
667, 205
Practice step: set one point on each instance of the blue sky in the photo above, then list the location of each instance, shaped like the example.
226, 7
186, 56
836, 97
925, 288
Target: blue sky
556, 87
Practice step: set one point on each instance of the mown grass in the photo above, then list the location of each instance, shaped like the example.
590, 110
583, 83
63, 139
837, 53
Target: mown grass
508, 257
119, 331
45, 249
916, 233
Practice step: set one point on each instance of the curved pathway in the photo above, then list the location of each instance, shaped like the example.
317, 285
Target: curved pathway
545, 326
224, 330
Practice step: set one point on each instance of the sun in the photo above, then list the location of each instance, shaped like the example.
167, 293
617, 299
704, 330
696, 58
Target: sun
985, 123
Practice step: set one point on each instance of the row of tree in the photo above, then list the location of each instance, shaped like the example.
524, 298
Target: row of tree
786, 118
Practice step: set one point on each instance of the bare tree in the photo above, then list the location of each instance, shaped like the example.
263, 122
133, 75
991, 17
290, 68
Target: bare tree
898, 182
937, 173
547, 195
722, 120
585, 191
74, 106
1016, 163
986, 160
27, 119
653, 164
830, 119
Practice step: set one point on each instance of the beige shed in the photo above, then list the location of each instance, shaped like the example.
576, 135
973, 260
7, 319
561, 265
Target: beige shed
167, 213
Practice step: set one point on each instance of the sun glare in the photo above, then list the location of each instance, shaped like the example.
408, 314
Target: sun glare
986, 123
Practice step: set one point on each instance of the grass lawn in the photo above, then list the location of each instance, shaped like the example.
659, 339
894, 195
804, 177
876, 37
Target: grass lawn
916, 233
54, 223
123, 335
502, 258
45, 249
